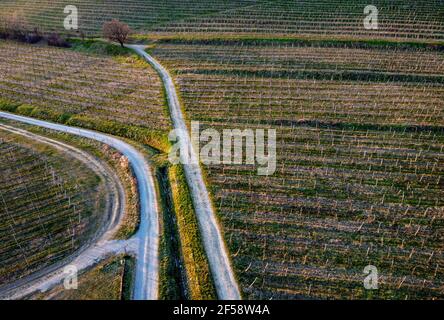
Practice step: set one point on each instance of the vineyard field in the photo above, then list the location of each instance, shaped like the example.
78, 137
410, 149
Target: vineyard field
139, 14
51, 206
351, 92
400, 19
359, 163
97, 90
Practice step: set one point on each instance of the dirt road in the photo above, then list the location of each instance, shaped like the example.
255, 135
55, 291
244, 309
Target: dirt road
144, 244
225, 282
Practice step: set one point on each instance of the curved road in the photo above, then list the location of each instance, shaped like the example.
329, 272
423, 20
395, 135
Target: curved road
82, 257
147, 238
225, 282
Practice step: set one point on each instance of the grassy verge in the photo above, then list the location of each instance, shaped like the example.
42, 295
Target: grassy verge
136, 133
173, 278
101, 47
131, 220
95, 46
196, 264
128, 278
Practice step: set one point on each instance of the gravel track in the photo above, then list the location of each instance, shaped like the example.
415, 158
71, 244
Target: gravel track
144, 244
224, 280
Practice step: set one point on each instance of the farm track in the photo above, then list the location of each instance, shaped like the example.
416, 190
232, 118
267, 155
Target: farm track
144, 244
223, 276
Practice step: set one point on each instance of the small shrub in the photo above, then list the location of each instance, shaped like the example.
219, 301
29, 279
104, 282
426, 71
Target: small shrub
25, 109
8, 106
34, 37
3, 31
55, 40
14, 27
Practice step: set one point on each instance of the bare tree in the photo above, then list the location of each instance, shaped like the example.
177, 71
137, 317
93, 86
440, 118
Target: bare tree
115, 30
